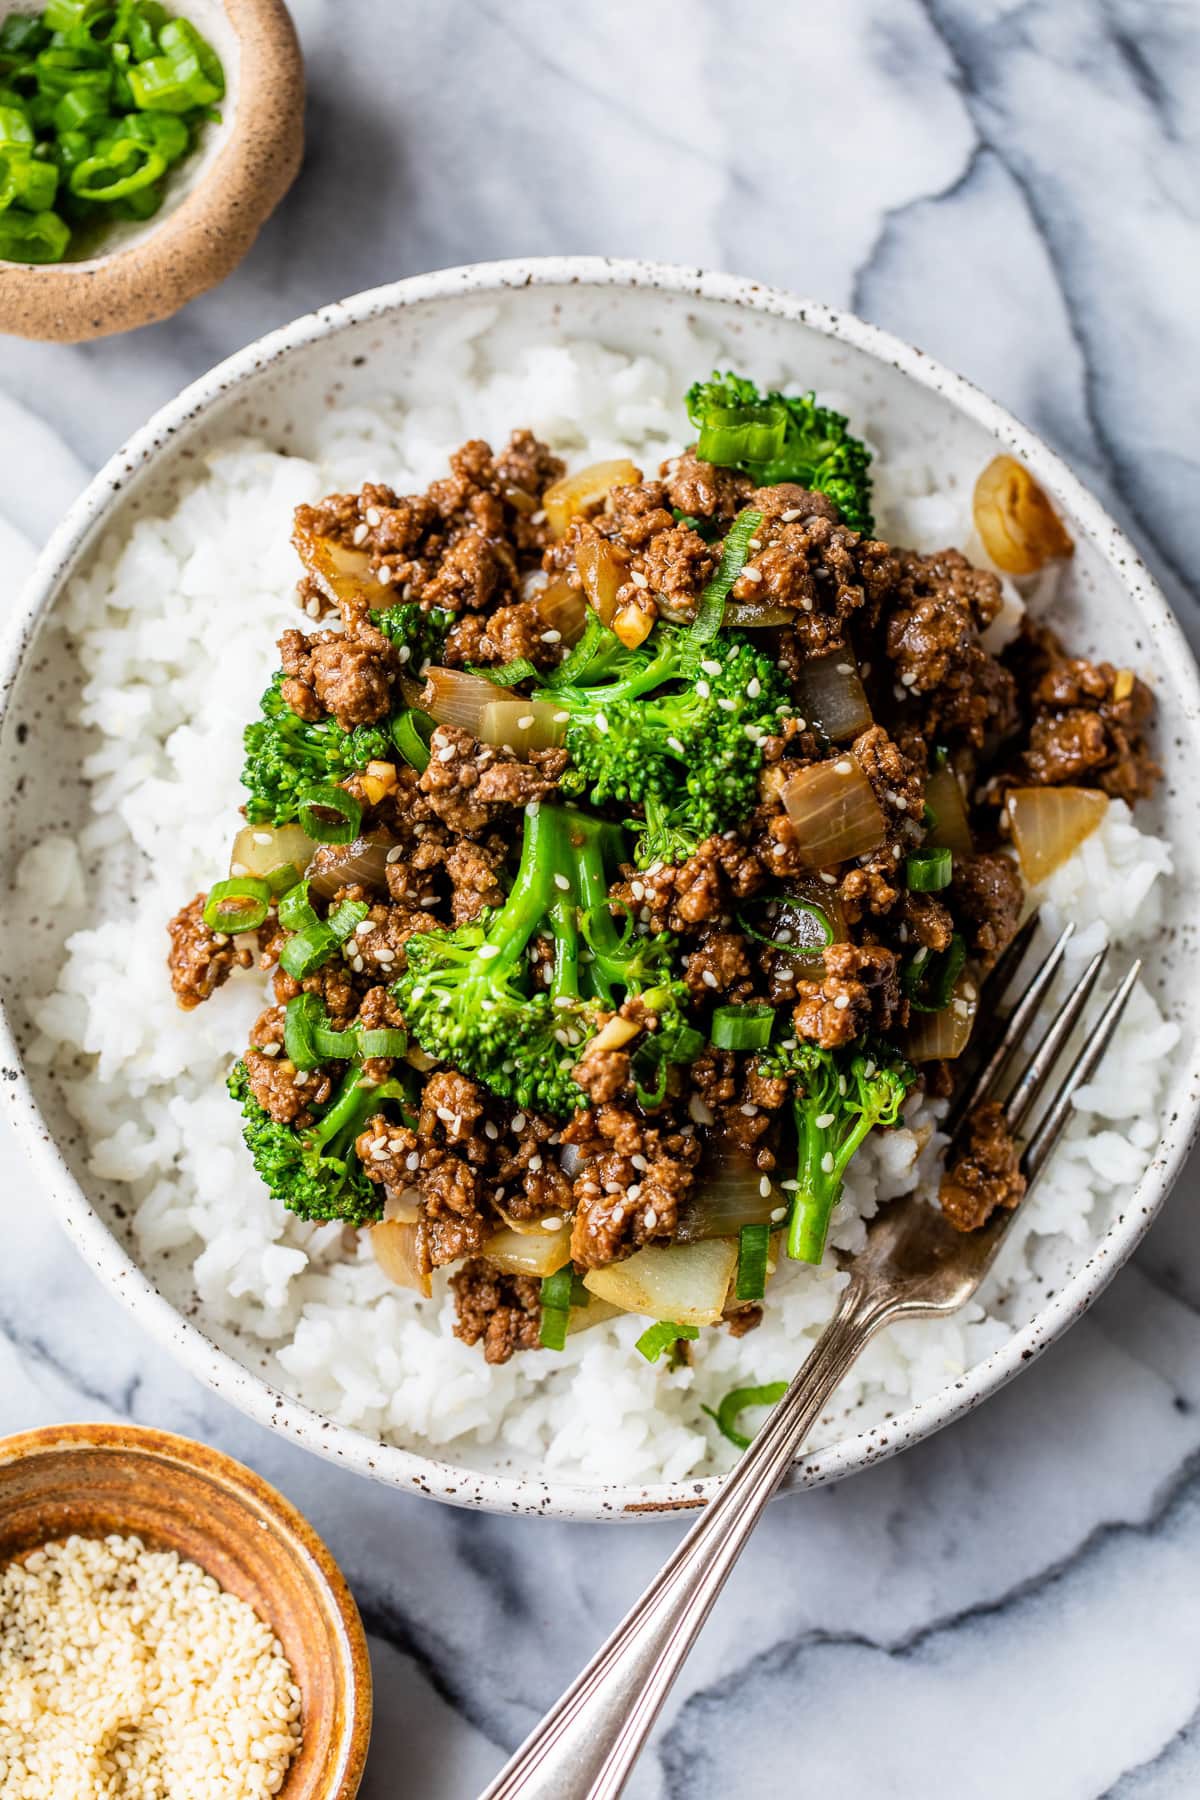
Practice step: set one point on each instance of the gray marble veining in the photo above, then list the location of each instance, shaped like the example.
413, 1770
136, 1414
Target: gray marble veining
1013, 184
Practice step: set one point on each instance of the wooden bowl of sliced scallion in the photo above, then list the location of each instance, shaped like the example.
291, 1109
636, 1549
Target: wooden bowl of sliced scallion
142, 147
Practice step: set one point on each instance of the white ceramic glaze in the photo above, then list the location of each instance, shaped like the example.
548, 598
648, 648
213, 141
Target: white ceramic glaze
281, 386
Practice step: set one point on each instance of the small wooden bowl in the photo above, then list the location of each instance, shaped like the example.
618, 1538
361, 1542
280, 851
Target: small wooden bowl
179, 1495
216, 201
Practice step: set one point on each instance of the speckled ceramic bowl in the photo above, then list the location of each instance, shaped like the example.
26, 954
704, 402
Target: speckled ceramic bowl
93, 1480
217, 200
350, 352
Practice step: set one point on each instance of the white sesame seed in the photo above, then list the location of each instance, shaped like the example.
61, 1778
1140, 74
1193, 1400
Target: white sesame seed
726, 704
553, 1224
764, 1187
487, 951
270, 1049
238, 868
360, 532
824, 1121
778, 1215
674, 744
806, 604
698, 1111
791, 515
385, 954
560, 718
703, 689
827, 878
708, 978
601, 723
843, 766
446, 753
827, 1162
374, 517
535, 1163
564, 1002
412, 1161
518, 1121
749, 1110
842, 1002
562, 883
751, 574
710, 666
651, 1218
754, 687
490, 1131
638, 579
445, 1115
552, 636
312, 607
531, 811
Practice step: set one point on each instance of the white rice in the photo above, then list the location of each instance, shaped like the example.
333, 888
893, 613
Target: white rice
176, 623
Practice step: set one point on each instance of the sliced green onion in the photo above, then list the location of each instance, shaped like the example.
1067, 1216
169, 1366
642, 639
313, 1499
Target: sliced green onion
142, 23
32, 237
661, 1336
555, 1294
303, 1016
742, 1027
296, 911
305, 951
411, 733
508, 674
26, 182
329, 814
82, 109
382, 1042
928, 871
186, 73
928, 979
736, 434
343, 920
754, 1242
283, 879
239, 904
22, 34
710, 608
736, 1403
15, 127
113, 174
69, 15
341, 1044
783, 903
166, 132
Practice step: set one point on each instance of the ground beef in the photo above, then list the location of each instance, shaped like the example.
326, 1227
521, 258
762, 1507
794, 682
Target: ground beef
939, 607
704, 491
802, 557
199, 960
290, 1095
988, 896
469, 785
510, 634
676, 565
985, 1175
720, 965
332, 672
1088, 722
860, 992
632, 1178
502, 1312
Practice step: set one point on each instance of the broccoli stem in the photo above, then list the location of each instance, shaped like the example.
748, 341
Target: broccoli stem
823, 1164
339, 1125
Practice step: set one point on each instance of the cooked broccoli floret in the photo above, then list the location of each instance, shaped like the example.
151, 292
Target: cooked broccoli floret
673, 727
837, 1098
783, 437
285, 755
468, 995
418, 634
315, 1173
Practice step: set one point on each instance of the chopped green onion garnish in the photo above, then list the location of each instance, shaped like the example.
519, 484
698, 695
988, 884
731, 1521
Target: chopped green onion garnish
15, 128
928, 871
710, 608
556, 1291
736, 1403
113, 174
305, 951
381, 1042
737, 434
295, 909
343, 920
301, 1019
788, 914
662, 1336
754, 1242
556, 1288
742, 1027
26, 182
411, 733
242, 902
928, 978
283, 879
329, 814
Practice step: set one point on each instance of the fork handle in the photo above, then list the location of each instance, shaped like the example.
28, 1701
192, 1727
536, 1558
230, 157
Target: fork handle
586, 1746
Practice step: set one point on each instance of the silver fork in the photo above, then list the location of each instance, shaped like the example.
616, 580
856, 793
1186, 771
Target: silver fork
914, 1265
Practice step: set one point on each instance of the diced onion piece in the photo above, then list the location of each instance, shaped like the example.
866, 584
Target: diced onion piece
1049, 823
377, 781
419, 1059
602, 569
585, 488
260, 849
536, 1252
403, 1209
1020, 529
453, 697
342, 574
835, 812
613, 1036
362, 863
829, 693
596, 1312
946, 1033
944, 797
726, 1195
562, 608
685, 1282
521, 725
633, 624
399, 1252
752, 615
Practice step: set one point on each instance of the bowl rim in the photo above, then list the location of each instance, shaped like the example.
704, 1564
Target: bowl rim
430, 1474
309, 1551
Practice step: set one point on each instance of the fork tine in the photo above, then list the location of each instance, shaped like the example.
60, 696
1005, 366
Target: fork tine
1040, 1145
1026, 1091
1014, 1029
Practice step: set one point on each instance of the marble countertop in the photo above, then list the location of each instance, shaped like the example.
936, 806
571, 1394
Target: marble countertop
1011, 183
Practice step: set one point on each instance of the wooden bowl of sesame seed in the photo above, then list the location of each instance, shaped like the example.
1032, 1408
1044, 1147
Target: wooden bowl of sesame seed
88, 1490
